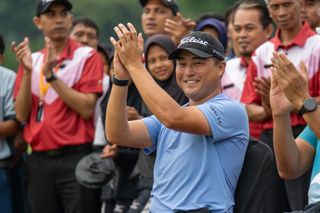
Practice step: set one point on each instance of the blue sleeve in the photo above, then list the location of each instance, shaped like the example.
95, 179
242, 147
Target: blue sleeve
227, 119
9, 112
153, 125
308, 135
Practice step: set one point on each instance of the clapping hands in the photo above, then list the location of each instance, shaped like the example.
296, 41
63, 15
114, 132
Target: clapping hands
128, 47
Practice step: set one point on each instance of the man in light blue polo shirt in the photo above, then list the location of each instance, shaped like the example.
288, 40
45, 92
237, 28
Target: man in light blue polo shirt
200, 146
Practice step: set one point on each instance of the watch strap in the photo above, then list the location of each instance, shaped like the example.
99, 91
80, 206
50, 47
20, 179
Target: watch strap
118, 82
302, 110
53, 77
309, 105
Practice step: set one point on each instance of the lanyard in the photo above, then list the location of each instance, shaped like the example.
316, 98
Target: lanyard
43, 85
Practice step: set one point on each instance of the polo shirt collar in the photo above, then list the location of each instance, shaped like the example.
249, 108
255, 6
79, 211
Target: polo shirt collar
299, 40
67, 52
243, 62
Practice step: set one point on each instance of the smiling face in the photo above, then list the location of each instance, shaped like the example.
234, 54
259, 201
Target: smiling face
159, 66
55, 23
199, 78
154, 17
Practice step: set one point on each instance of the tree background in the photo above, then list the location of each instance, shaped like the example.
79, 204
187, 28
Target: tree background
16, 17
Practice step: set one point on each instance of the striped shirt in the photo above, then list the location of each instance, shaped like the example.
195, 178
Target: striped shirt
81, 69
304, 47
7, 78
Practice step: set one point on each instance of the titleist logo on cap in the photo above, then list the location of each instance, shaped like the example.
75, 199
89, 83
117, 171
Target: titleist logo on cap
192, 39
46, 1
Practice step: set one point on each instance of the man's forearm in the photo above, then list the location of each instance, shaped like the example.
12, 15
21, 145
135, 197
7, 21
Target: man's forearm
83, 104
8, 128
116, 127
313, 120
256, 112
23, 101
156, 99
286, 150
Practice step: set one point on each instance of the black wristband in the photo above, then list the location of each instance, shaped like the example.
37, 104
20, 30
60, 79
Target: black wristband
118, 82
53, 77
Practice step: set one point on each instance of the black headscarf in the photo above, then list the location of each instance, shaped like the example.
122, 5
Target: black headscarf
133, 99
169, 85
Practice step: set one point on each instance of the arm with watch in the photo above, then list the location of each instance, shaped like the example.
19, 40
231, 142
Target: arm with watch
82, 103
289, 91
311, 113
294, 84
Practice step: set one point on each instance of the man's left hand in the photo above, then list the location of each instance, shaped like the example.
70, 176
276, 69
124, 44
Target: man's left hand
293, 83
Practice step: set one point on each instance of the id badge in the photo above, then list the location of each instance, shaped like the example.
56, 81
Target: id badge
39, 117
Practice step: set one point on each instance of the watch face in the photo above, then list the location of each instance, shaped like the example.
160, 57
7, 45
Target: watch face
310, 104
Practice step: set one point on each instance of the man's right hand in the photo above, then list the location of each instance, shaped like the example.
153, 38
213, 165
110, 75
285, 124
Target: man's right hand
119, 70
129, 46
280, 105
23, 54
178, 27
50, 58
293, 83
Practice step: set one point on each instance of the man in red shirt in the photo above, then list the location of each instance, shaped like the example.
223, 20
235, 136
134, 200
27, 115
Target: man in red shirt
251, 28
55, 94
300, 43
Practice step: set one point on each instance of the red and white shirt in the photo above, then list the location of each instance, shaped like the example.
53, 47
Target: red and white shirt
305, 47
232, 83
233, 78
81, 69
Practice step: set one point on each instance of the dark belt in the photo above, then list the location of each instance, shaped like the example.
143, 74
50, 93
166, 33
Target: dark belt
203, 210
64, 150
6, 163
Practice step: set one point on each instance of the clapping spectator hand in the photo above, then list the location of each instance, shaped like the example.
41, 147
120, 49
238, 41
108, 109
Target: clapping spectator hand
178, 27
110, 151
50, 58
23, 54
293, 83
132, 113
262, 87
280, 105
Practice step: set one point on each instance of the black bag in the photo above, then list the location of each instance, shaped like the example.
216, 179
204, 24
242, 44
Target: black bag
256, 175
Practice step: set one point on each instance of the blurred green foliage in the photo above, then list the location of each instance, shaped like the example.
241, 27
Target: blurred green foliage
16, 17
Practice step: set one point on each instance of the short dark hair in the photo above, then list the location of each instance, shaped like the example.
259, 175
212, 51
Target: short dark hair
2, 45
86, 22
265, 18
230, 12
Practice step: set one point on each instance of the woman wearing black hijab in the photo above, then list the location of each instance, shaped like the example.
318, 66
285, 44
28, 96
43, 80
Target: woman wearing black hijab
157, 49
